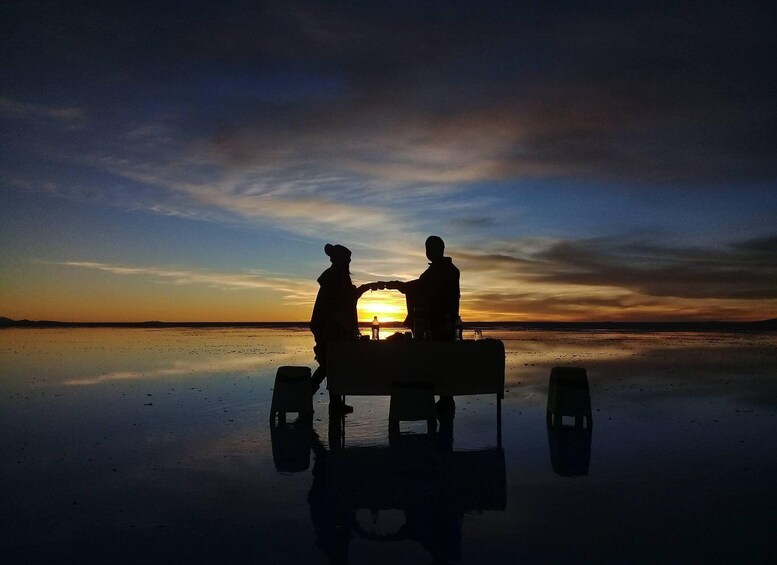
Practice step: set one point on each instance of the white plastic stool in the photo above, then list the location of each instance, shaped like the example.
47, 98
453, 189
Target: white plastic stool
292, 392
568, 395
412, 402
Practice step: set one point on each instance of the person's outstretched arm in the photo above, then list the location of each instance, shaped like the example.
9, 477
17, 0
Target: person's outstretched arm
379, 285
397, 285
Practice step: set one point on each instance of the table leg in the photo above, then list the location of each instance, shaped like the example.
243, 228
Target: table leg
499, 420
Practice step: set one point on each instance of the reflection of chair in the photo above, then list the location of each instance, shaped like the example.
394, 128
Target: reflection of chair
291, 445
412, 402
291, 392
568, 396
570, 450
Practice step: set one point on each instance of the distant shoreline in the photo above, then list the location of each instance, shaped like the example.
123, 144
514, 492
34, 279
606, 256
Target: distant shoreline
709, 326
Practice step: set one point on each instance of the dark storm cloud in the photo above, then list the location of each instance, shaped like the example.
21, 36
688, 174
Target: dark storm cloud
431, 90
744, 270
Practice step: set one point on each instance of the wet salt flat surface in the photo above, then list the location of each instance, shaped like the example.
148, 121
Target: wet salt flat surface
134, 445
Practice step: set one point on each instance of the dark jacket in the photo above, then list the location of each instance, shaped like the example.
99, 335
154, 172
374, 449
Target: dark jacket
437, 290
334, 313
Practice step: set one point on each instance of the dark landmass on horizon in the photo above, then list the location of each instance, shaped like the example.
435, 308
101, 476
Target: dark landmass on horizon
689, 326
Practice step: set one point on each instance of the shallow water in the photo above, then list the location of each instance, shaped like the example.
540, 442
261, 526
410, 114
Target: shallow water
153, 445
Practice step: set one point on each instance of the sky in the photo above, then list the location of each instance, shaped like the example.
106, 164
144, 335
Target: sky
188, 161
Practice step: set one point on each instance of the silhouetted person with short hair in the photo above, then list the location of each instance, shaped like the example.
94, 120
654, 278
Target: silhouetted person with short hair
437, 291
334, 313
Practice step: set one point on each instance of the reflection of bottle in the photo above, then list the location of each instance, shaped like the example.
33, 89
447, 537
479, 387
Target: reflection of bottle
375, 328
458, 330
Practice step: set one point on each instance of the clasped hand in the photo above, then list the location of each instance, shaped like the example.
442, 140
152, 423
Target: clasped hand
385, 285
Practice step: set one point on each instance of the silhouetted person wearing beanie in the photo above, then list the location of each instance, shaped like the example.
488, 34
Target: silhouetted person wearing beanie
334, 314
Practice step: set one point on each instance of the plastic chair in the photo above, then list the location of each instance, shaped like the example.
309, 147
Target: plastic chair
568, 395
291, 393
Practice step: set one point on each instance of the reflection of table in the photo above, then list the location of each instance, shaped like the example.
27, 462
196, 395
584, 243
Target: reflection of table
385, 478
433, 489
453, 367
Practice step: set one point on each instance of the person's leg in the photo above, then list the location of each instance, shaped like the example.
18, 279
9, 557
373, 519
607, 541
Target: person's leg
315, 381
445, 404
319, 374
336, 403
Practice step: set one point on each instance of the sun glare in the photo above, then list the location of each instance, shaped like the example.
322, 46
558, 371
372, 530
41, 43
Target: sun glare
387, 306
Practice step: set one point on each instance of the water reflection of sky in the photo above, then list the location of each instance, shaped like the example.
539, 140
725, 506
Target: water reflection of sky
113, 437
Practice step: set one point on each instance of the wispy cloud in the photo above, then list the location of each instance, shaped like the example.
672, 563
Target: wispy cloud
66, 114
309, 203
296, 291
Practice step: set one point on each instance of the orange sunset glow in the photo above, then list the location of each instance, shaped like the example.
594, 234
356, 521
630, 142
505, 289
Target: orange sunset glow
388, 306
197, 178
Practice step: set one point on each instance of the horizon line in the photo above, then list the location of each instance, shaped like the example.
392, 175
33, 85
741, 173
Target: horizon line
10, 322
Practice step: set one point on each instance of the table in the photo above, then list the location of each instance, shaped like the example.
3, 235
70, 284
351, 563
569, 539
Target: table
371, 367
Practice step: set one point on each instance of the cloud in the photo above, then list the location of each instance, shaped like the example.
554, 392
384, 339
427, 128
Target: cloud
373, 122
295, 291
758, 250
744, 270
430, 93
70, 115
501, 92
474, 222
306, 202
562, 280
324, 119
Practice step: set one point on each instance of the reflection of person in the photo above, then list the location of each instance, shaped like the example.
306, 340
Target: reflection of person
332, 520
334, 313
420, 481
436, 291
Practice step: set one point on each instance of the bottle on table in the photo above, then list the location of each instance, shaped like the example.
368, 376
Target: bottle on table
375, 328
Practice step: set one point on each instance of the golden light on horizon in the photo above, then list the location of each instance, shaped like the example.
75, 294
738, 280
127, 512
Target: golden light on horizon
388, 306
